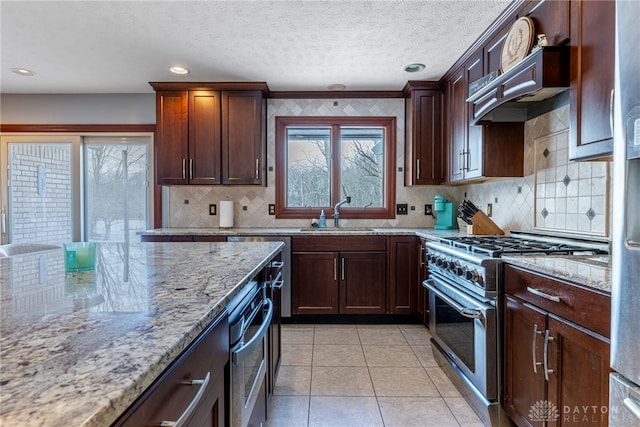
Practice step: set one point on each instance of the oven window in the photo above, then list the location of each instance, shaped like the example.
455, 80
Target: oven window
457, 332
254, 360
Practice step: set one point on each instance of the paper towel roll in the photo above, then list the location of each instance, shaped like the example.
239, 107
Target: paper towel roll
226, 213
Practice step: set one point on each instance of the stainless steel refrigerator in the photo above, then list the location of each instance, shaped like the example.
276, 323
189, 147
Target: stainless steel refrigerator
624, 407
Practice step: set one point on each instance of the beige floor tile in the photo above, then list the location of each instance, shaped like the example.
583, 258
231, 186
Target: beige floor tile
424, 353
416, 334
297, 334
296, 354
443, 383
381, 335
390, 356
288, 411
341, 381
327, 411
293, 381
463, 412
402, 382
416, 412
338, 355
336, 334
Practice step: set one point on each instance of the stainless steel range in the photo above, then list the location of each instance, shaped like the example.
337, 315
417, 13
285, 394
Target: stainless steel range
465, 286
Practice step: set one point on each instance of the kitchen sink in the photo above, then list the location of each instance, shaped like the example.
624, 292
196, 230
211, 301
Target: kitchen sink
333, 229
24, 248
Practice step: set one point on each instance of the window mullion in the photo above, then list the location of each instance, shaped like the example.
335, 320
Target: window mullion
335, 165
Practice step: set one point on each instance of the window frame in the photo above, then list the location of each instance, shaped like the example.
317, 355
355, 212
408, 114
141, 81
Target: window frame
336, 122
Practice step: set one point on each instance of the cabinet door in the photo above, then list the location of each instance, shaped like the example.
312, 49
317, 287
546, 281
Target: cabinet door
524, 376
243, 137
204, 137
550, 17
423, 145
458, 125
473, 153
579, 383
404, 285
592, 79
171, 138
314, 280
363, 282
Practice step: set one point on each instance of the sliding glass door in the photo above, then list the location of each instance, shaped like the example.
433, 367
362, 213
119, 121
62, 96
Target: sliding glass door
59, 189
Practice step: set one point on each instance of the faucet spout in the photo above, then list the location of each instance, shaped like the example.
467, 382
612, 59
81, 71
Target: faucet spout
336, 211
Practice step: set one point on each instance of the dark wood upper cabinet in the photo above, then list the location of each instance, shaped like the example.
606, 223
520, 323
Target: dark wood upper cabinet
592, 79
423, 135
210, 133
244, 137
477, 152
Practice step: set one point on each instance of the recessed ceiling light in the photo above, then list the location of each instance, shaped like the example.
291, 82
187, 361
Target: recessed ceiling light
22, 72
336, 86
414, 68
179, 70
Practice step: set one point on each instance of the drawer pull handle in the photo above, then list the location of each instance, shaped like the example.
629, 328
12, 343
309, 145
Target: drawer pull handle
543, 295
536, 332
547, 339
192, 406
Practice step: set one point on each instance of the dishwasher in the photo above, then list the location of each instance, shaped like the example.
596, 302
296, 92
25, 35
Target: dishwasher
286, 269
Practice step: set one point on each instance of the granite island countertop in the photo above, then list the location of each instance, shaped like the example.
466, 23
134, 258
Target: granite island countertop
591, 271
76, 349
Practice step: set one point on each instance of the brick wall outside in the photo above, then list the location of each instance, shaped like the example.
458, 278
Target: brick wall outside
41, 214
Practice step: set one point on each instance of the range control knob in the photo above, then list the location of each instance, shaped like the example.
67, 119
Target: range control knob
459, 271
471, 275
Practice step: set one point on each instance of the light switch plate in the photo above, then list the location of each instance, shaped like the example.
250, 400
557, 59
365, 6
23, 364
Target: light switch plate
402, 209
213, 209
272, 209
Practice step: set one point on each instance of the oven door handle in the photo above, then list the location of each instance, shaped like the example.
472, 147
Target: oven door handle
255, 341
470, 313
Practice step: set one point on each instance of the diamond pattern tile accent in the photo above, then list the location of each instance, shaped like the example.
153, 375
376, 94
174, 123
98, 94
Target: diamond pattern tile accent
566, 180
591, 214
544, 213
546, 152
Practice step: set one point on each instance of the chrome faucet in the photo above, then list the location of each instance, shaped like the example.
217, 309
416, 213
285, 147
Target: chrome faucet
336, 212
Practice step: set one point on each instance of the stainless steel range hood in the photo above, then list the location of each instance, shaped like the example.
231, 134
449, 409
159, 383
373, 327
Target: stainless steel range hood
542, 75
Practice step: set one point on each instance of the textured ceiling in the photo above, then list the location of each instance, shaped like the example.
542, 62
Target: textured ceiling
119, 46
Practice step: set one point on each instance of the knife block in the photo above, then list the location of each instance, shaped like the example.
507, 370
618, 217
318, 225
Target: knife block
482, 225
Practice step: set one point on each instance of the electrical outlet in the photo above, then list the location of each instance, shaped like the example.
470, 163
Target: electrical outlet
428, 209
272, 209
402, 209
489, 209
213, 209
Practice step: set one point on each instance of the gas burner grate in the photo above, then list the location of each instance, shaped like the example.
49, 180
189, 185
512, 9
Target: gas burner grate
496, 246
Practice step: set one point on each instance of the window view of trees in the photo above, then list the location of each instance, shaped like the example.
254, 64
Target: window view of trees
116, 190
324, 160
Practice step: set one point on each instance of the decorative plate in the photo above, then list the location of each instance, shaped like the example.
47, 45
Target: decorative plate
518, 43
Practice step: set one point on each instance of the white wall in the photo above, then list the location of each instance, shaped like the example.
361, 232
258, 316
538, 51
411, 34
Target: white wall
78, 109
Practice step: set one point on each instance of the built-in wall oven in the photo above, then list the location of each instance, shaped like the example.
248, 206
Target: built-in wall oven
465, 303
249, 321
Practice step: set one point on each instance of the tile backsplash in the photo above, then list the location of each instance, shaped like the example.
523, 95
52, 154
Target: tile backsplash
554, 193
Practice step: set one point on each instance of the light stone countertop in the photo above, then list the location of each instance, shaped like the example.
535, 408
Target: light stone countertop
427, 233
78, 348
592, 271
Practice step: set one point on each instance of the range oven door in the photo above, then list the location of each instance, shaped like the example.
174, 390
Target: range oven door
249, 367
464, 327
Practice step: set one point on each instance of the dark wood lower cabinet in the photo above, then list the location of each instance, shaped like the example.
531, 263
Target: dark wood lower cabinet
339, 282
182, 238
362, 282
170, 395
404, 269
314, 282
553, 363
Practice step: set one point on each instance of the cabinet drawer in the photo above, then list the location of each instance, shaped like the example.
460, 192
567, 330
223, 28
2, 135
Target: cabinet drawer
585, 307
339, 243
168, 397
